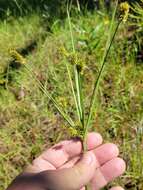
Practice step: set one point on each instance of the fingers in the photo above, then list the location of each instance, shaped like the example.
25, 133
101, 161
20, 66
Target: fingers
73, 178
103, 154
113, 169
117, 188
110, 166
62, 152
93, 140
106, 152
108, 172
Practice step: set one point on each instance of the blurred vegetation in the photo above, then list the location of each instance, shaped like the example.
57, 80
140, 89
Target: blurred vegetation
28, 121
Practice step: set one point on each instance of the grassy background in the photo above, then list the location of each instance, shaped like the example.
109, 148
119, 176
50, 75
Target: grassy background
28, 121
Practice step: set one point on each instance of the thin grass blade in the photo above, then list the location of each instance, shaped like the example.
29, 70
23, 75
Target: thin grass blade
103, 62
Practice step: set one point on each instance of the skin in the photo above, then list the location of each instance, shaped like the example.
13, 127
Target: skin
65, 167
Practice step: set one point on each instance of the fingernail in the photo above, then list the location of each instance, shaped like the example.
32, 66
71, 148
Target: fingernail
88, 158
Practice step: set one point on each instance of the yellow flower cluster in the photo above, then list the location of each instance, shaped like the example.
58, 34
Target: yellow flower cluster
76, 131
18, 58
124, 11
74, 59
2, 81
63, 51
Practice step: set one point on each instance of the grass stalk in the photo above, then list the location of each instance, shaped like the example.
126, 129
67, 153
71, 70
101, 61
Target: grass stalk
103, 62
79, 101
42, 87
80, 79
18, 6
78, 5
77, 83
7, 77
70, 27
72, 88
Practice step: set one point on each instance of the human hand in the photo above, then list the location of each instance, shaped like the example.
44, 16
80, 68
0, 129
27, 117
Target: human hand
64, 167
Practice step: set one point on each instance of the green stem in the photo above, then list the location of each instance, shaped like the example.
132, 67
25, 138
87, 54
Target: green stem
78, 91
78, 5
18, 6
7, 77
70, 27
93, 97
63, 114
81, 98
78, 105
79, 101
72, 88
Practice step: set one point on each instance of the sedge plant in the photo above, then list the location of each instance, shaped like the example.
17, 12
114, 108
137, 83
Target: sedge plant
78, 66
75, 66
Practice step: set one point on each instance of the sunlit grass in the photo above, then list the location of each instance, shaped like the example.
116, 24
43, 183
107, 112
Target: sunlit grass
30, 124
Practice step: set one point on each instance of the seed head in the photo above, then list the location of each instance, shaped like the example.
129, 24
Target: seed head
124, 11
74, 58
63, 51
2, 81
17, 56
73, 132
76, 131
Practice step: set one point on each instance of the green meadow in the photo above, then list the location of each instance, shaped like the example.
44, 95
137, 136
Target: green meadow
29, 122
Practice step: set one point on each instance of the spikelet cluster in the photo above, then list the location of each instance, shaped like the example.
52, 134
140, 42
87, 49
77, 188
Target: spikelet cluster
74, 59
17, 56
124, 11
76, 131
2, 81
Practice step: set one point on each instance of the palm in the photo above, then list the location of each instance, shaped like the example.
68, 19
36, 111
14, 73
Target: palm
67, 153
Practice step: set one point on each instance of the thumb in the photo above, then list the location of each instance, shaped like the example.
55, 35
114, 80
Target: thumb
71, 178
